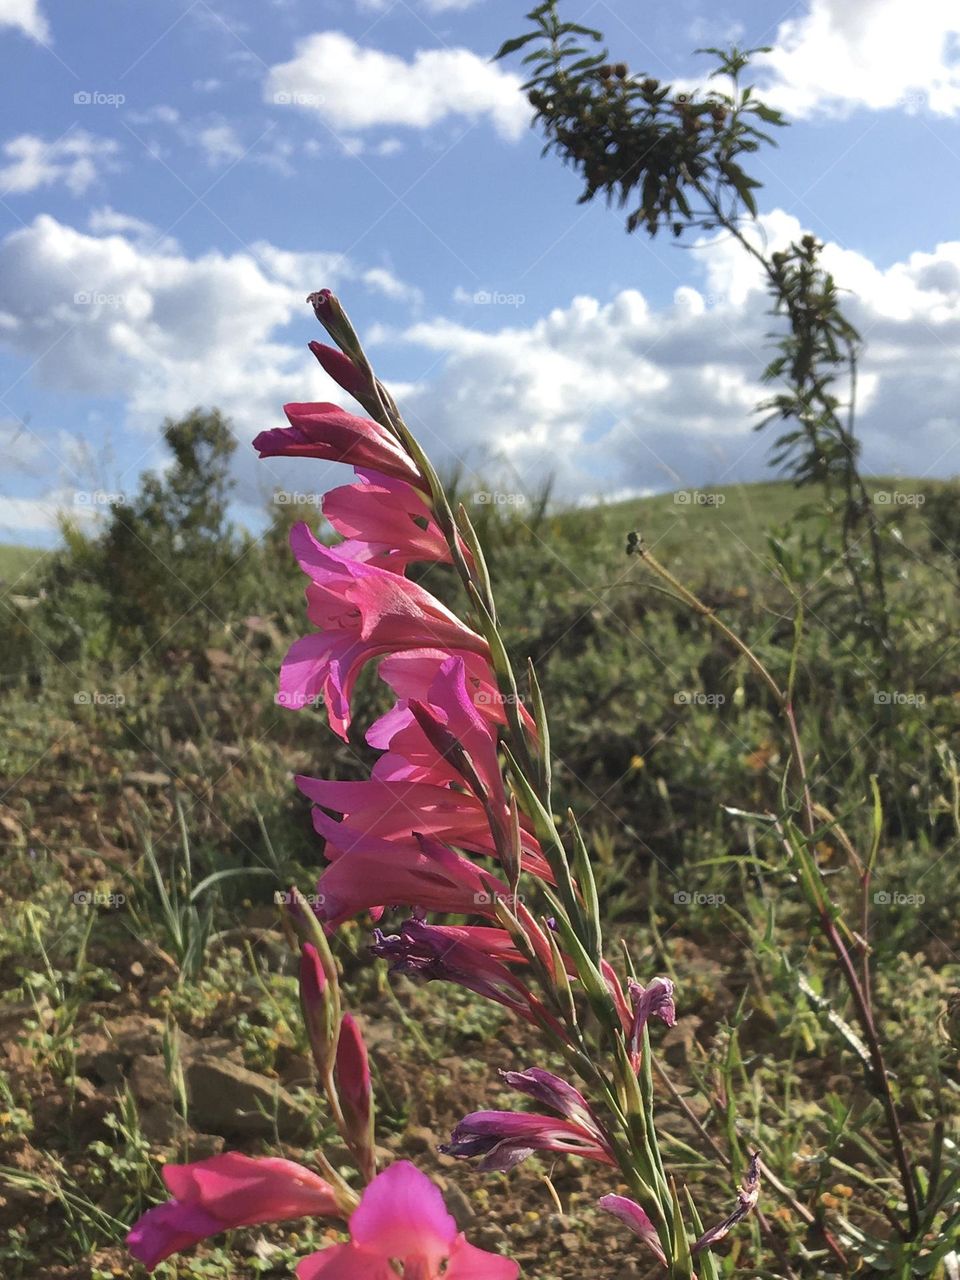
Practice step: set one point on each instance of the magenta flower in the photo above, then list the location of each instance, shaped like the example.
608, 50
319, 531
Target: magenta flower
318, 1009
386, 522
224, 1192
505, 1138
375, 873
362, 612
475, 957
402, 1220
333, 434
400, 812
411, 674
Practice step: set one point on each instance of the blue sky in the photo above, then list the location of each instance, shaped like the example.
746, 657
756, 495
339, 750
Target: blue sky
175, 177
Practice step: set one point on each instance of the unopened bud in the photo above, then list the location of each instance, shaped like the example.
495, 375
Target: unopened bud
319, 1009
356, 1093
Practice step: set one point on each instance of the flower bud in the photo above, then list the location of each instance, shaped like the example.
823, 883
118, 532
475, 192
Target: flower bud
356, 1094
343, 371
319, 1009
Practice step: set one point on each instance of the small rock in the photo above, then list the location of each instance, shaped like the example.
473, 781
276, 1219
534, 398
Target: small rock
227, 1099
420, 1140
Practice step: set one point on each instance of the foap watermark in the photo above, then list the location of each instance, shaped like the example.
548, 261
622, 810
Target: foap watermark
283, 498
892, 898
491, 899
692, 698
495, 498
95, 698
689, 898
284, 98
297, 700
285, 898
97, 898
495, 298
897, 698
97, 98
698, 498
97, 498
494, 698
97, 298
898, 498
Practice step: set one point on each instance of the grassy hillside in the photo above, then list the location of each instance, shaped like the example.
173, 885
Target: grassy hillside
17, 561
135, 757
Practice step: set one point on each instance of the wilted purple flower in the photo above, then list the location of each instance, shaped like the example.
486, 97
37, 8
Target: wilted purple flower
747, 1196
654, 1001
505, 1138
474, 957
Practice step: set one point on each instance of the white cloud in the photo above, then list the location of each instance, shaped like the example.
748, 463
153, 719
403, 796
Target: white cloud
844, 54
77, 160
112, 316
622, 395
355, 88
609, 397
25, 16
221, 144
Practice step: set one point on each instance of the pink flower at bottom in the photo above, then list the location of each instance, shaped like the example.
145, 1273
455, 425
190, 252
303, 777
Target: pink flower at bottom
402, 1218
224, 1192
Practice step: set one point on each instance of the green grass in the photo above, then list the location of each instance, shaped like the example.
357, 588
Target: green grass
663, 740
18, 562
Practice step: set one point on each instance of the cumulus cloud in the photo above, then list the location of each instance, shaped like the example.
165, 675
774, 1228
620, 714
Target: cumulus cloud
113, 316
25, 16
355, 88
844, 54
77, 160
608, 397
622, 395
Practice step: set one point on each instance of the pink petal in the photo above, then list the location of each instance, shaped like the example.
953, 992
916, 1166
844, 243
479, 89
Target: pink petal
402, 1215
345, 1262
242, 1190
467, 1262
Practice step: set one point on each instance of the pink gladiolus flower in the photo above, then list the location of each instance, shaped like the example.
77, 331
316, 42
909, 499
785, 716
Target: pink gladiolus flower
386, 522
353, 1073
222, 1193
411, 674
401, 811
319, 1012
505, 1138
402, 1218
333, 434
375, 873
363, 612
